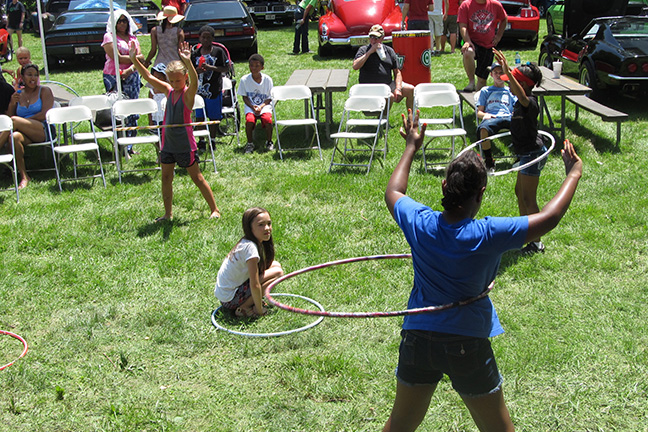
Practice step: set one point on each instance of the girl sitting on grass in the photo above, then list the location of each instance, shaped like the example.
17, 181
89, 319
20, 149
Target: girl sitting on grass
178, 143
249, 267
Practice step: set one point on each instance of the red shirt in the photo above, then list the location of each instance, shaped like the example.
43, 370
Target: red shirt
178, 4
418, 9
481, 20
453, 7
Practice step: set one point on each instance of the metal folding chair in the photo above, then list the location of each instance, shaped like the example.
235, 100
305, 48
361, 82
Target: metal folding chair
380, 90
59, 117
283, 94
354, 127
203, 131
95, 103
9, 159
231, 115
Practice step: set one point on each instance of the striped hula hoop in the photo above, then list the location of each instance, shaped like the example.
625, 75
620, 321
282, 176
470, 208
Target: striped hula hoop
8, 333
378, 314
164, 126
519, 167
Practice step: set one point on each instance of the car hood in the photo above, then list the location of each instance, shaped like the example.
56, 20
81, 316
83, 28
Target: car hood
579, 13
360, 15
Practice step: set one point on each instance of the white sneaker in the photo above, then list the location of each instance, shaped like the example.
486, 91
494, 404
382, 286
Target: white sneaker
269, 146
249, 148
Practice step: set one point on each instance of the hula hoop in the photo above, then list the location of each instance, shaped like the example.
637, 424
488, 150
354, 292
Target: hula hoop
378, 314
8, 333
275, 334
517, 168
164, 126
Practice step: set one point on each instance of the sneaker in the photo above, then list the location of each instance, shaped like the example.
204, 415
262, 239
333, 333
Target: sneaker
249, 148
269, 146
533, 248
469, 88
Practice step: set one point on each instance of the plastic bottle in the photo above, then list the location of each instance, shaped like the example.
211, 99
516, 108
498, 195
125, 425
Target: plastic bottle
299, 24
381, 53
518, 59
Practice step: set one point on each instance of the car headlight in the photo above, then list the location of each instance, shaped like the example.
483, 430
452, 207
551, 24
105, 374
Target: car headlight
324, 29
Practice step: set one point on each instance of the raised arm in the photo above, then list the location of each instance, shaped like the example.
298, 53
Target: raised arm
397, 186
514, 84
192, 87
547, 219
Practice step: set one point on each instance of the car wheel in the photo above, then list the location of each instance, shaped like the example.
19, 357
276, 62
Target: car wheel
587, 76
52, 62
550, 26
252, 50
545, 59
533, 43
325, 50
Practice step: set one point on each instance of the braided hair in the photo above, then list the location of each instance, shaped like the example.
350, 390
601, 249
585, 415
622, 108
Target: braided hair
465, 177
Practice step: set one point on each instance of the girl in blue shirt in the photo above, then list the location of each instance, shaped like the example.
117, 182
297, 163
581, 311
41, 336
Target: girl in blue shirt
455, 257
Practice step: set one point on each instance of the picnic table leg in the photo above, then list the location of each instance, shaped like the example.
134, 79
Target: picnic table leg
328, 111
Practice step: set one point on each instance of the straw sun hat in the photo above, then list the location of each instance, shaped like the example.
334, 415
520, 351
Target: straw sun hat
171, 14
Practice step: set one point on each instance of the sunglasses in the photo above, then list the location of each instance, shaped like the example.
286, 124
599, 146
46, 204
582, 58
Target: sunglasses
122, 21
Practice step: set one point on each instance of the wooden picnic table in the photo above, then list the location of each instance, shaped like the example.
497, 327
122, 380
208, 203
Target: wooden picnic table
322, 83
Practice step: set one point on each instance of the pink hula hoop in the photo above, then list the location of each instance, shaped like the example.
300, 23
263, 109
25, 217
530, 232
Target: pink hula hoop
8, 333
378, 314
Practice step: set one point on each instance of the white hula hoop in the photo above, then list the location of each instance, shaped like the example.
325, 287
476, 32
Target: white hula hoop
275, 334
519, 167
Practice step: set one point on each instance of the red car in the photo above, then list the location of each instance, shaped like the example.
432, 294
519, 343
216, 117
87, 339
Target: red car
347, 22
523, 21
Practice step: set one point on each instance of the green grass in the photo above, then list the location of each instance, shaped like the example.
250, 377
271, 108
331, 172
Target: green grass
116, 309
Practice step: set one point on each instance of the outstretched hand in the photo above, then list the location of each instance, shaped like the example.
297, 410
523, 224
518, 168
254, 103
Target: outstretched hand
501, 60
185, 51
410, 130
573, 163
132, 51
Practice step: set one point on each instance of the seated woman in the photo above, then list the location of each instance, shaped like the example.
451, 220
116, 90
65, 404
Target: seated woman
27, 109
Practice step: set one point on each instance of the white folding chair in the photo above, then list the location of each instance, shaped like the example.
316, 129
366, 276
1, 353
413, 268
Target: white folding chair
59, 117
9, 159
380, 90
230, 123
283, 94
122, 109
95, 103
203, 131
441, 125
428, 87
47, 144
352, 127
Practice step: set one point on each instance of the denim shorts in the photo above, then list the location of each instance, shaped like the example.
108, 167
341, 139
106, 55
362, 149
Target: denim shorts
469, 362
535, 169
494, 125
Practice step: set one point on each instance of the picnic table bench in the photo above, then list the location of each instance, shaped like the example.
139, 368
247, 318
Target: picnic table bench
606, 113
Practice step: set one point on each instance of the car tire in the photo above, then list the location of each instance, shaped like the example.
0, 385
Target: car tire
545, 59
533, 43
52, 62
325, 50
550, 26
252, 50
587, 76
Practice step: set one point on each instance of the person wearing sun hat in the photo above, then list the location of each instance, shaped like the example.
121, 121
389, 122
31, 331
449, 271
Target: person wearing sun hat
166, 38
378, 62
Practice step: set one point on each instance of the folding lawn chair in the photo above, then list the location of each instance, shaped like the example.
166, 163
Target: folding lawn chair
203, 131
280, 96
9, 159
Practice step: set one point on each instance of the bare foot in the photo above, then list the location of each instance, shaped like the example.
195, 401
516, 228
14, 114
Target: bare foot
215, 214
23, 183
244, 313
162, 219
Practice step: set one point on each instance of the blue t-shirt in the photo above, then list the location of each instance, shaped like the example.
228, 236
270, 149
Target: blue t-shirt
497, 101
453, 263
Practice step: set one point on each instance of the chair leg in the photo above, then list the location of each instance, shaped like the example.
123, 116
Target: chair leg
103, 177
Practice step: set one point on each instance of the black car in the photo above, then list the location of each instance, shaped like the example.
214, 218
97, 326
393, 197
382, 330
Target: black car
77, 35
270, 11
232, 23
605, 52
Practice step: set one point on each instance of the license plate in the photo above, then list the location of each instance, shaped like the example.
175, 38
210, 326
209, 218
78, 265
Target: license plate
82, 50
218, 32
270, 17
359, 41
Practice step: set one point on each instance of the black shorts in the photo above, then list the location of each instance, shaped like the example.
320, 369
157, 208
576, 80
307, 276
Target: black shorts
484, 58
184, 160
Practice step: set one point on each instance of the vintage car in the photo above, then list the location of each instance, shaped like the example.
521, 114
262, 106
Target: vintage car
523, 21
556, 12
347, 22
606, 52
271, 11
233, 25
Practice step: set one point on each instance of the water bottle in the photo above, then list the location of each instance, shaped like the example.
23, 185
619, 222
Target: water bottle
381, 53
299, 24
518, 59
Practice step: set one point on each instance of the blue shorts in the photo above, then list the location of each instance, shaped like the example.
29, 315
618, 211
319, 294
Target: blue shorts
469, 362
242, 293
214, 108
494, 125
184, 160
535, 169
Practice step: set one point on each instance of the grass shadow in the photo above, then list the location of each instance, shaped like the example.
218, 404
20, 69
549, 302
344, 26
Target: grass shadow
165, 226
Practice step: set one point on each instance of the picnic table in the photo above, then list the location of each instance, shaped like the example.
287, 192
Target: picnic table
322, 83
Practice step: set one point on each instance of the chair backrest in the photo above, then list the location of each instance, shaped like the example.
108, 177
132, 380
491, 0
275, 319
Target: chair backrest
95, 102
290, 92
227, 84
199, 102
126, 107
430, 87
381, 90
6, 124
437, 99
68, 114
365, 103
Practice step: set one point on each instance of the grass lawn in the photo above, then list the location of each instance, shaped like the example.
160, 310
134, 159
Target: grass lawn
116, 309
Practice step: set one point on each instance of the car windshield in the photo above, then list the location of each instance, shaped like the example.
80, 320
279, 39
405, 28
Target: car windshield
82, 18
200, 11
95, 4
629, 28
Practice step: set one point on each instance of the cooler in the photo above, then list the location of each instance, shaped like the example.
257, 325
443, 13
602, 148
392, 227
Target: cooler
413, 51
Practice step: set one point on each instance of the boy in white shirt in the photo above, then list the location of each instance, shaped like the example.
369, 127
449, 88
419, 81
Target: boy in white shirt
255, 89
